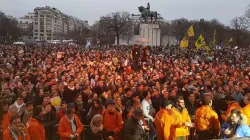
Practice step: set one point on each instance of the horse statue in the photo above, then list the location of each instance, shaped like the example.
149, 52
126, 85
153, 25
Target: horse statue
145, 13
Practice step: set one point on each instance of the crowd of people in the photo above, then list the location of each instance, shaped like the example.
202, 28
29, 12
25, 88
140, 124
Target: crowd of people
124, 93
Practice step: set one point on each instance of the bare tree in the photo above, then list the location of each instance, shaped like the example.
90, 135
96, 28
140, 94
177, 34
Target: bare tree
103, 34
180, 27
247, 13
118, 23
240, 32
166, 31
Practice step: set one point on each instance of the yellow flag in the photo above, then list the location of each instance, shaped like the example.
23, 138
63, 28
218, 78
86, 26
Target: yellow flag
214, 37
190, 31
200, 42
230, 40
207, 48
184, 42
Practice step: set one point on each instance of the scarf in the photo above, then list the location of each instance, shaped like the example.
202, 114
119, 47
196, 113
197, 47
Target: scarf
73, 88
15, 131
73, 125
79, 103
18, 106
29, 113
96, 129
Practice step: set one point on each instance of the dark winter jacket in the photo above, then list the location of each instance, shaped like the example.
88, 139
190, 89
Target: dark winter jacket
133, 130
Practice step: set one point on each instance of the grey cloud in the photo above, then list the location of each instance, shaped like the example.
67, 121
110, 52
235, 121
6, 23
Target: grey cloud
91, 10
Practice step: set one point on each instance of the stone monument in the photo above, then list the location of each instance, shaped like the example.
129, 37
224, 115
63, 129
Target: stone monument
149, 29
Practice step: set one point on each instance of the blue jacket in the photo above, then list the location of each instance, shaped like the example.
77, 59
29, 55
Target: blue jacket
243, 131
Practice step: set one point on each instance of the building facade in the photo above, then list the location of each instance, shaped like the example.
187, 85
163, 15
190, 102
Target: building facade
26, 21
51, 24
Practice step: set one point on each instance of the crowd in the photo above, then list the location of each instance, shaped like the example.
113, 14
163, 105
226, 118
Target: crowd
124, 93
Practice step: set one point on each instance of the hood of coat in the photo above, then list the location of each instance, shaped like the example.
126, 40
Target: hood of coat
244, 119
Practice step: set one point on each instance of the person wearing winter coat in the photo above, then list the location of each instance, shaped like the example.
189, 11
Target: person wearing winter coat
16, 130
112, 121
25, 116
232, 104
70, 126
96, 131
246, 109
18, 106
182, 115
79, 110
206, 121
242, 128
228, 128
6, 116
96, 108
61, 112
134, 128
69, 93
166, 122
35, 124
50, 120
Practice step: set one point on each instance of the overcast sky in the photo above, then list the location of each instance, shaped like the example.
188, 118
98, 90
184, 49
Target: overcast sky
91, 10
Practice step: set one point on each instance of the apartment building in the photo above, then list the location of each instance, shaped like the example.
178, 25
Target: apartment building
51, 24
26, 21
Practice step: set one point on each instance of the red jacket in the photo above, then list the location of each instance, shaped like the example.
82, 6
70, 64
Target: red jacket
36, 129
64, 128
7, 135
113, 123
6, 121
60, 114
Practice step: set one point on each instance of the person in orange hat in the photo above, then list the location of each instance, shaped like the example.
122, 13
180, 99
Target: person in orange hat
70, 126
112, 121
35, 124
16, 130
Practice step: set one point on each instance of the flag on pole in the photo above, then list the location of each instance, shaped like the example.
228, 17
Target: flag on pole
190, 31
207, 48
214, 37
184, 42
200, 42
230, 40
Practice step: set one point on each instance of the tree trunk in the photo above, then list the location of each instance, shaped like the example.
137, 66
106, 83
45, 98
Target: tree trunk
118, 39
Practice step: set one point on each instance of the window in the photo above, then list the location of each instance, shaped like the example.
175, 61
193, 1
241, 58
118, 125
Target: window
41, 34
36, 30
36, 23
35, 37
41, 30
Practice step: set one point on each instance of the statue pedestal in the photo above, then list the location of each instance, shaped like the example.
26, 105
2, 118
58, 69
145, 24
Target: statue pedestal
151, 32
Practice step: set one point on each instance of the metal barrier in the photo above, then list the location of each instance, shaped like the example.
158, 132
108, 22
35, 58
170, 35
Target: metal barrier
57, 137
247, 138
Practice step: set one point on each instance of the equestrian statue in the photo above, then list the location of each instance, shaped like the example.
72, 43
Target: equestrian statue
146, 13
